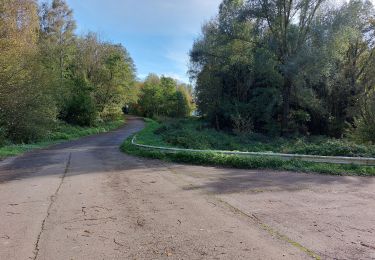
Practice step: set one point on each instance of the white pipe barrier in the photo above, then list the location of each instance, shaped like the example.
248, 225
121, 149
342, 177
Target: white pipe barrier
309, 158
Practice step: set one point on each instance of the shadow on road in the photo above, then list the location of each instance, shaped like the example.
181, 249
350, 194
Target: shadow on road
101, 153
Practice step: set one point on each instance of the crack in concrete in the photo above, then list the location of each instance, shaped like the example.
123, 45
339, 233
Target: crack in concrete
270, 230
52, 200
260, 223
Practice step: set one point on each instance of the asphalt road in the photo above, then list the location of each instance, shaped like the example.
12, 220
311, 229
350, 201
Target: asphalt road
86, 200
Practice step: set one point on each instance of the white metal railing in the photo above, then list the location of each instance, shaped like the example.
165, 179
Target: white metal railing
303, 157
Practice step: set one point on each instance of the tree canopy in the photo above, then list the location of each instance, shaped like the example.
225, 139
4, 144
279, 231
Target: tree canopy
48, 73
280, 67
284, 67
164, 96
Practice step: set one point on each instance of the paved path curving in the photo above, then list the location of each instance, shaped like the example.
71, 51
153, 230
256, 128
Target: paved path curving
87, 200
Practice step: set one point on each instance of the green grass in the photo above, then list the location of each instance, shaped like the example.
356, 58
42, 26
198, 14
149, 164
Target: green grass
61, 132
196, 134
150, 136
147, 135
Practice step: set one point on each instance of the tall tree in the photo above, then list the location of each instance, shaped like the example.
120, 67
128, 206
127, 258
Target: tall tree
24, 110
164, 97
287, 66
57, 28
288, 24
105, 74
47, 73
233, 70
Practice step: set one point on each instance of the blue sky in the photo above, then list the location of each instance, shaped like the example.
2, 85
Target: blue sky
157, 33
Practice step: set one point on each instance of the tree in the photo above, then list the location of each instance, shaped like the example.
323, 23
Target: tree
115, 87
57, 28
47, 73
288, 24
364, 125
150, 96
57, 43
25, 114
184, 102
284, 66
105, 74
164, 97
228, 64
337, 65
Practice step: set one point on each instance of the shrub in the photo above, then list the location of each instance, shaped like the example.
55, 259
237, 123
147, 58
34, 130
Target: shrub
28, 123
194, 134
2, 137
235, 161
364, 130
242, 124
80, 110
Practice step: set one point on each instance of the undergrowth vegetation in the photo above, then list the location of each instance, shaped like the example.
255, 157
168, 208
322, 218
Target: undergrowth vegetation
197, 134
193, 133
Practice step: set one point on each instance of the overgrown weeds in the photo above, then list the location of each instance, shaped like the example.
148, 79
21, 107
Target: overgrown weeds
195, 134
156, 134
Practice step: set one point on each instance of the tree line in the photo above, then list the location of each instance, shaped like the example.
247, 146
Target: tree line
49, 74
287, 67
163, 97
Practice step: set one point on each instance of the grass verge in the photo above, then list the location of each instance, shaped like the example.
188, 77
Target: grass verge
148, 136
62, 132
196, 133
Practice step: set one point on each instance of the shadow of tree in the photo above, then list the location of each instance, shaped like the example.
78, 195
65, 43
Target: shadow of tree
221, 181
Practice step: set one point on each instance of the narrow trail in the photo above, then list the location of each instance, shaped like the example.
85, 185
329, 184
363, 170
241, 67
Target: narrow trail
87, 200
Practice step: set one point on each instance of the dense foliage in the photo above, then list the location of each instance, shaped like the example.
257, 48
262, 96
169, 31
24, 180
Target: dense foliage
48, 73
285, 67
164, 97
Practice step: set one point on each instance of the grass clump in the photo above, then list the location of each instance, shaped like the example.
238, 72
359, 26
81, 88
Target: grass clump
61, 132
152, 135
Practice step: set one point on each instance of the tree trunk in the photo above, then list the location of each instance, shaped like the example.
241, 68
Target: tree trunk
61, 61
217, 124
286, 105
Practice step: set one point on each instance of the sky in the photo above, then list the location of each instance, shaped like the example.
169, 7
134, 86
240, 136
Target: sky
157, 33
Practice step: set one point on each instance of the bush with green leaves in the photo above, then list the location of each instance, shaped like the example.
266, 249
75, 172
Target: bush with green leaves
80, 110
